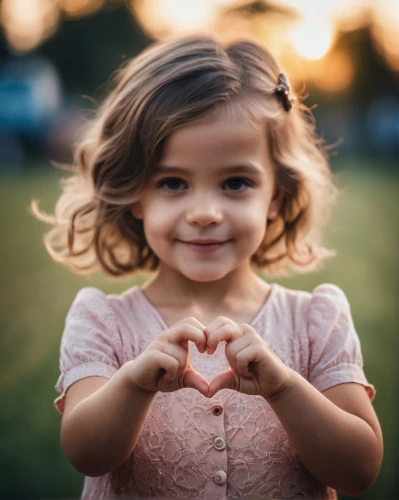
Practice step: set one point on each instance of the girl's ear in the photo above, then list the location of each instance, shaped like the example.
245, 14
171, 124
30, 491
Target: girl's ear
137, 210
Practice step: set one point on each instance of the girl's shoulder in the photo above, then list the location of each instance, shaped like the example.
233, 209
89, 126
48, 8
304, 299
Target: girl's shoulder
322, 316
88, 301
93, 299
101, 310
128, 314
307, 314
327, 290
108, 320
91, 312
329, 304
323, 295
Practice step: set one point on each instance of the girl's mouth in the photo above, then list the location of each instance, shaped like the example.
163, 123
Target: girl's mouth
204, 247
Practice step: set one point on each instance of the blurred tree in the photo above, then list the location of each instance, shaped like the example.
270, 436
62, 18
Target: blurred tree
87, 50
373, 76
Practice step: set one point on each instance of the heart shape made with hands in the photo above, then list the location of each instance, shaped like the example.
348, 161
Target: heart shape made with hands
254, 368
225, 380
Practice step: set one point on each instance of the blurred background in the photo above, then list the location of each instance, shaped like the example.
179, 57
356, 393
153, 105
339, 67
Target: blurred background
56, 58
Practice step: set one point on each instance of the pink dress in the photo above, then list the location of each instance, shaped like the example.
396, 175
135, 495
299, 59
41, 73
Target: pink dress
231, 446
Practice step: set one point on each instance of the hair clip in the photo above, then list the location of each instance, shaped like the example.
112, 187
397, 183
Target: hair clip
282, 90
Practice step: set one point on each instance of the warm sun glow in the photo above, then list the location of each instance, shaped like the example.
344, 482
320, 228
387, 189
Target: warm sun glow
181, 13
352, 15
385, 30
336, 73
166, 17
28, 22
309, 26
313, 34
80, 7
312, 39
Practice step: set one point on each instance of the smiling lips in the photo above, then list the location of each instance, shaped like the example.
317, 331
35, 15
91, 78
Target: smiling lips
207, 241
204, 246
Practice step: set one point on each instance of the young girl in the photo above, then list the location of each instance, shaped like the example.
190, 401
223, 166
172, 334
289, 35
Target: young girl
207, 382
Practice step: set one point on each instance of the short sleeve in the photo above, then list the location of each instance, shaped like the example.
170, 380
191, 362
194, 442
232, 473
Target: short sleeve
334, 347
90, 342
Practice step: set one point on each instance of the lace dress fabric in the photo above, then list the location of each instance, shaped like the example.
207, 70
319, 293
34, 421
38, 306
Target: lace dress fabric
231, 446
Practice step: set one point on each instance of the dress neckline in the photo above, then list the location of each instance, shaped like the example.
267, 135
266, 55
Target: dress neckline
266, 305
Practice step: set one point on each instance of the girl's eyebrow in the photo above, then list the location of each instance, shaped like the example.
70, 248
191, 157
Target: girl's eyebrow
233, 169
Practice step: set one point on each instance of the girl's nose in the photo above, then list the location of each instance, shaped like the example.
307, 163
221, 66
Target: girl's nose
204, 211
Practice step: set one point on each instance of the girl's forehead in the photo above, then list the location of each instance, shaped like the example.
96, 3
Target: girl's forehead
217, 137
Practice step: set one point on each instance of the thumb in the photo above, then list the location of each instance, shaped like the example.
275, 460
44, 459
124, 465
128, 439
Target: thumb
194, 380
224, 380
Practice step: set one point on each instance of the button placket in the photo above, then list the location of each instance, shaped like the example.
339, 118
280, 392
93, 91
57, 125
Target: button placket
220, 459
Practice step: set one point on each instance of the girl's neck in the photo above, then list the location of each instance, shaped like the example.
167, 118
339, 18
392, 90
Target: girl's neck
170, 289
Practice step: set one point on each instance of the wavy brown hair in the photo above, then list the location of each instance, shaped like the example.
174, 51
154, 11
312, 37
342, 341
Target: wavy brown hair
168, 85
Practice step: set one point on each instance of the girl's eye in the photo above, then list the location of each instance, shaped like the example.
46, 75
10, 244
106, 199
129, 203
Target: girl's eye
171, 182
237, 182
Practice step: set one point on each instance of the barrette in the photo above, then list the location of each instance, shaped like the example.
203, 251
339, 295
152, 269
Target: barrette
282, 90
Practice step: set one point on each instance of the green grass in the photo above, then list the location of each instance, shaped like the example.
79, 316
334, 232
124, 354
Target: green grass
37, 293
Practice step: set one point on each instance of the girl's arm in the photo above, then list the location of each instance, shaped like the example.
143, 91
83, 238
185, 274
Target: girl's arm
335, 433
102, 421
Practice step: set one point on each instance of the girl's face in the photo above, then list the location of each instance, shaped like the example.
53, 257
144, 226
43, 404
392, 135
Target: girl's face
214, 181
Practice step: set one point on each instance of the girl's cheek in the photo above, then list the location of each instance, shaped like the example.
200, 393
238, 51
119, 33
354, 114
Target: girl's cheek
161, 221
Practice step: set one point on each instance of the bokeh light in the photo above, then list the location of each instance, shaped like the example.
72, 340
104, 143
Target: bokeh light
385, 30
27, 22
163, 18
77, 8
312, 39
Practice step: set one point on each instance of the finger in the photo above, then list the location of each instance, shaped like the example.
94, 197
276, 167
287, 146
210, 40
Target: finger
228, 333
195, 380
191, 320
167, 363
184, 332
233, 348
224, 380
250, 354
217, 323
178, 352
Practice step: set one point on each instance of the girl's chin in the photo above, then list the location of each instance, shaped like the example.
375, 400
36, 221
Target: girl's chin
204, 276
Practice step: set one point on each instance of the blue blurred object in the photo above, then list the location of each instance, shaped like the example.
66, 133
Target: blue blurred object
30, 97
382, 123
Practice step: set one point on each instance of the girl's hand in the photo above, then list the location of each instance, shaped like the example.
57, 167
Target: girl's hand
165, 364
255, 369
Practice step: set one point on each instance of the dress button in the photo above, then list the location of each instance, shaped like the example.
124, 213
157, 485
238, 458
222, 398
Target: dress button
217, 410
219, 443
220, 477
